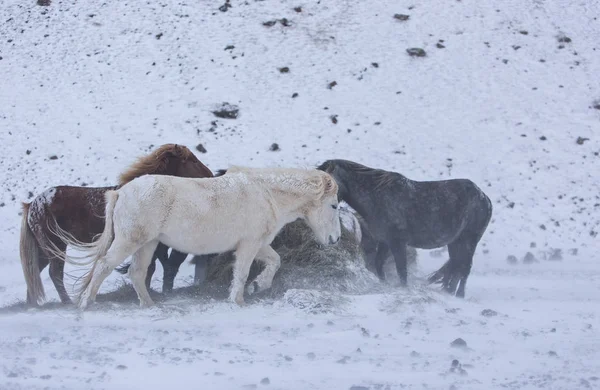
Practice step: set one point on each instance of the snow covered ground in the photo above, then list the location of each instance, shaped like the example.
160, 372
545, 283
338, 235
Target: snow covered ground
505, 96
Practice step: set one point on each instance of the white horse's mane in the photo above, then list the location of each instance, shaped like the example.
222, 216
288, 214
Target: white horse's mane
289, 176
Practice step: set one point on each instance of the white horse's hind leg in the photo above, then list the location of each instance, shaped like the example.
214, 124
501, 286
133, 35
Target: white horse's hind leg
117, 253
137, 271
244, 256
272, 262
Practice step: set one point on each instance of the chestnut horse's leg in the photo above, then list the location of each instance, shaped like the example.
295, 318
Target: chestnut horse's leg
57, 271
171, 268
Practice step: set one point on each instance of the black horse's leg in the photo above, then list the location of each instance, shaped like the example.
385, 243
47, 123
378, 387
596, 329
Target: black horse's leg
201, 265
382, 254
162, 254
461, 259
171, 268
398, 248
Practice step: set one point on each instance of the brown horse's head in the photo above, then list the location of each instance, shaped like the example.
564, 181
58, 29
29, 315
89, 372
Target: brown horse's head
168, 159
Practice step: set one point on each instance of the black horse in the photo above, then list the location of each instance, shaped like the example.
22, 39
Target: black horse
422, 214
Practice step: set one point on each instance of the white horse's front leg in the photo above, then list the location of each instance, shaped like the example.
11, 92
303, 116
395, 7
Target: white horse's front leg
272, 262
244, 256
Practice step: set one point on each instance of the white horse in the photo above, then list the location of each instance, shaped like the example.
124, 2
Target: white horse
241, 211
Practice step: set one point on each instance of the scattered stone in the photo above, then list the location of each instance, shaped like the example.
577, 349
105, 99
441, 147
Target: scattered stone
585, 383
543, 138
516, 47
229, 47
415, 354
401, 17
44, 3
459, 343
201, 148
343, 360
543, 227
265, 381
529, 258
2, 204
28, 152
225, 6
374, 64
416, 52
572, 251
298, 9
12, 374
294, 95
332, 84
334, 119
311, 356
365, 332
564, 39
596, 105
511, 259
524, 32
227, 111
288, 358
359, 388
456, 367
252, 386
505, 61
217, 373
274, 147
532, 245
555, 255
489, 313
270, 23
53, 157
440, 46
46, 377
285, 69
159, 35
581, 140
121, 367
284, 22
552, 353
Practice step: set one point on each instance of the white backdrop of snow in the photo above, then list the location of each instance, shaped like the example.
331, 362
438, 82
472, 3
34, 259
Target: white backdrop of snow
99, 84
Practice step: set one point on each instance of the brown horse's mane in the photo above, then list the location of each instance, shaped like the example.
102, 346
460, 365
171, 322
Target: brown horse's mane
154, 163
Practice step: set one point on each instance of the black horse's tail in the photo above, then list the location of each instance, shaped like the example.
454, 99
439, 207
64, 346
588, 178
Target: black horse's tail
438, 276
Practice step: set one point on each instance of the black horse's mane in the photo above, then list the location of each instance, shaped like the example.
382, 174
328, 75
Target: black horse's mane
379, 176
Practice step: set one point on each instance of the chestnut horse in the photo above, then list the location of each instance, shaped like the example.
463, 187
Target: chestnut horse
80, 212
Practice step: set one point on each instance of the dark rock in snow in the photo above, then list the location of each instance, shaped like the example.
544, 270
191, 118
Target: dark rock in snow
596, 105
53, 157
265, 381
227, 111
225, 6
201, 148
489, 313
459, 343
274, 147
555, 255
44, 3
270, 23
564, 39
334, 119
581, 140
295, 95
359, 388
440, 46
332, 84
298, 9
285, 69
416, 52
401, 17
511, 259
529, 258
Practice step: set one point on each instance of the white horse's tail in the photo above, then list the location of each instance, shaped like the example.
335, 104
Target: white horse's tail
95, 250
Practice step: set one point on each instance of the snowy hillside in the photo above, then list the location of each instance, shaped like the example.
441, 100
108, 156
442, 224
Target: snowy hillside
507, 95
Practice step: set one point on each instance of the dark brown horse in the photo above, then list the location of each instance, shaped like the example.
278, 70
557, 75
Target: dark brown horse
80, 212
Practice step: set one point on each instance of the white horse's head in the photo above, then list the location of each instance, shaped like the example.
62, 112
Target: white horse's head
323, 214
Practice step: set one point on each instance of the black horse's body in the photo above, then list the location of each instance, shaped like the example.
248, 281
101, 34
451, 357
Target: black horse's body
422, 214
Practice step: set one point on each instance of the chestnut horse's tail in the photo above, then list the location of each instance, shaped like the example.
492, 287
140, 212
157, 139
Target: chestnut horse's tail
30, 252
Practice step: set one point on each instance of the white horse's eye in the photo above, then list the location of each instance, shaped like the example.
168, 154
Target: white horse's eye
334, 206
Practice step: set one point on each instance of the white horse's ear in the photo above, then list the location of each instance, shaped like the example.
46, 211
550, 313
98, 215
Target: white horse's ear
329, 185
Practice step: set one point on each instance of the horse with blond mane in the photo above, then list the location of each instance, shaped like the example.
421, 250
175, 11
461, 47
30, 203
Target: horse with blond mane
241, 211
79, 211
